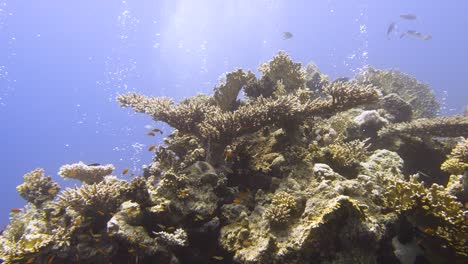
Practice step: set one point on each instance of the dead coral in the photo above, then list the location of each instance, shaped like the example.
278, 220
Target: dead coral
38, 188
86, 173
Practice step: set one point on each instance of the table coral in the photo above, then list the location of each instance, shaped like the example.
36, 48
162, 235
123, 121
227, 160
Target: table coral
86, 173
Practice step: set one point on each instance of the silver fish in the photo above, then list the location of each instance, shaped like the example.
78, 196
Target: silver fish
408, 16
391, 28
287, 35
416, 34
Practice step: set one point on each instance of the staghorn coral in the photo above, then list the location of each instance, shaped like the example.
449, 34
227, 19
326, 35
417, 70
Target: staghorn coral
418, 95
38, 188
86, 173
434, 127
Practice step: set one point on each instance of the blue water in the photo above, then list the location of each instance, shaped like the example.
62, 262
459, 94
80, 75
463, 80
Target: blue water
63, 62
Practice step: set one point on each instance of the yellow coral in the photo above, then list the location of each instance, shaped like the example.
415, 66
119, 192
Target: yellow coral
282, 206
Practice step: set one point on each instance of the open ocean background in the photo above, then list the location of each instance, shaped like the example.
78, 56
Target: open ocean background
62, 63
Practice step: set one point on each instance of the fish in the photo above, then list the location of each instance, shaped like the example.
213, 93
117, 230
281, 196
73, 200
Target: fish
287, 35
94, 164
125, 171
246, 243
16, 210
157, 130
416, 34
151, 134
151, 148
408, 16
101, 212
391, 28
218, 257
51, 259
31, 260
236, 201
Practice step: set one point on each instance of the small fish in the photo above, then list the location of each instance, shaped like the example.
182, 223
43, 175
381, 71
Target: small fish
110, 234
100, 212
151, 134
151, 148
161, 226
31, 260
97, 240
125, 171
94, 164
236, 201
287, 35
132, 175
52, 191
391, 28
157, 130
429, 231
132, 251
16, 210
218, 257
51, 259
408, 16
416, 34
246, 243
142, 245
171, 228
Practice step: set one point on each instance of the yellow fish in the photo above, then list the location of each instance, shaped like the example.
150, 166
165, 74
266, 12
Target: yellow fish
151, 134
125, 171
152, 147
218, 257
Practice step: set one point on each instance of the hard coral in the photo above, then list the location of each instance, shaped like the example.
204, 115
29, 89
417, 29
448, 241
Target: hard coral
418, 95
37, 188
86, 173
281, 209
457, 161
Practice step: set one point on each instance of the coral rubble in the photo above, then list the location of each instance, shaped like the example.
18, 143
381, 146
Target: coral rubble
301, 170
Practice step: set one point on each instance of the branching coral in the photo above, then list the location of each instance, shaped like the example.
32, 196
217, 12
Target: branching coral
86, 173
348, 154
96, 199
457, 161
434, 127
417, 94
225, 95
37, 188
280, 70
208, 122
281, 209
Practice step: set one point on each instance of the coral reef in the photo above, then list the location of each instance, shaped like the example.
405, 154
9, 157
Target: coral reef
301, 170
37, 188
86, 173
418, 95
